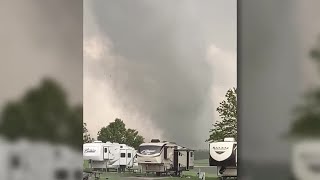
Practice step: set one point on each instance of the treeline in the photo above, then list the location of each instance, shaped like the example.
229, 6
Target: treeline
201, 154
43, 113
117, 132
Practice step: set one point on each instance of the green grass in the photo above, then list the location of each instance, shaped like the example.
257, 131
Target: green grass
85, 164
118, 176
210, 172
201, 162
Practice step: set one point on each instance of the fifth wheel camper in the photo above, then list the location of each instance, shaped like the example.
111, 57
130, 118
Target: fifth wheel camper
164, 157
306, 159
108, 156
223, 155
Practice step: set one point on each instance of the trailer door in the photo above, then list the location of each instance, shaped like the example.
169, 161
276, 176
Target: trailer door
129, 157
188, 160
123, 157
176, 160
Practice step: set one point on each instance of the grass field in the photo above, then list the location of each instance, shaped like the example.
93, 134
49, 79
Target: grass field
190, 175
128, 176
201, 162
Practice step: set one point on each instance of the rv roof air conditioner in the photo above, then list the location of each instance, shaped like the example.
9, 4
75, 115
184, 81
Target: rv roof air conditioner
155, 140
229, 139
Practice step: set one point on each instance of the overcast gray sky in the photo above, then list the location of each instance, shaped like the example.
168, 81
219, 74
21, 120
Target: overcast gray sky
40, 39
276, 37
161, 66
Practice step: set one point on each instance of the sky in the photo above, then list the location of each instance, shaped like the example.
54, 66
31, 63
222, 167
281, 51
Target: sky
114, 43
276, 71
40, 39
162, 67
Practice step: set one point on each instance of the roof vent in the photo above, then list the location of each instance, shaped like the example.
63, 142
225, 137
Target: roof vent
229, 139
155, 140
97, 141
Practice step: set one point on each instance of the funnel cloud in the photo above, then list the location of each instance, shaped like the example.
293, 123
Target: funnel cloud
156, 68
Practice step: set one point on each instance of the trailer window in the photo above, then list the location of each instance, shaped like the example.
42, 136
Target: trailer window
191, 154
78, 174
123, 155
15, 161
61, 174
149, 149
129, 155
105, 150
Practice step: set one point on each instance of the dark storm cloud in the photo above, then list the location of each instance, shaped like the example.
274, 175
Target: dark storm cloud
40, 39
164, 73
275, 40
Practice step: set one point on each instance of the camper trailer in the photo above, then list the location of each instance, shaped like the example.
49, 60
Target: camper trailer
164, 157
127, 156
15, 158
67, 163
306, 159
41, 160
224, 156
52, 162
24, 159
4, 158
107, 156
18, 159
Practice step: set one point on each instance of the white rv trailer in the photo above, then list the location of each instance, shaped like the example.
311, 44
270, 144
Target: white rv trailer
127, 156
108, 155
68, 163
27, 160
41, 160
4, 158
306, 159
14, 159
18, 159
164, 157
52, 162
224, 156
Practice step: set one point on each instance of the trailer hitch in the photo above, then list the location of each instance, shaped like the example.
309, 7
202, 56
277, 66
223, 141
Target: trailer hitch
222, 169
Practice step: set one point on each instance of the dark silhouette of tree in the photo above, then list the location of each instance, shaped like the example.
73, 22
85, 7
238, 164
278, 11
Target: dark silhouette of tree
86, 135
307, 119
43, 113
227, 110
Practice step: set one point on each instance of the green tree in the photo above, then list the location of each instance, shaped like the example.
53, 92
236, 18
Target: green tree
116, 132
227, 110
307, 115
43, 113
86, 135
132, 138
